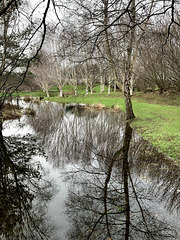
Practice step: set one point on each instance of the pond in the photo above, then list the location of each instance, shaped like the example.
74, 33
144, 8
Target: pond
76, 173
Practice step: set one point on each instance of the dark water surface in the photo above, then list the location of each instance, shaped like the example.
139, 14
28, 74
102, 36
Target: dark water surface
70, 173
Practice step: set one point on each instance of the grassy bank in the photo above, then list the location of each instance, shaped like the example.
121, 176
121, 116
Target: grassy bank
157, 117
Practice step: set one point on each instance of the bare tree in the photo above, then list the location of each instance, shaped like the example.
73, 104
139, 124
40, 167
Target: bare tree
158, 63
43, 73
128, 73
58, 76
74, 76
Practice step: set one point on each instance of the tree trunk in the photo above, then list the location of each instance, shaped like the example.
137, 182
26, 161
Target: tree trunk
75, 91
60, 92
129, 109
1, 119
101, 85
86, 90
109, 87
131, 85
128, 72
131, 91
122, 87
101, 82
47, 93
114, 85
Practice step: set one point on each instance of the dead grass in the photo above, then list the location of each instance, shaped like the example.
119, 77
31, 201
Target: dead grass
115, 108
99, 106
96, 107
10, 111
29, 112
37, 101
27, 98
167, 98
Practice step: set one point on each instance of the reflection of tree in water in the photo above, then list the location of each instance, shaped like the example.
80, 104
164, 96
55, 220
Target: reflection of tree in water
121, 175
65, 134
23, 192
109, 204
67, 137
164, 174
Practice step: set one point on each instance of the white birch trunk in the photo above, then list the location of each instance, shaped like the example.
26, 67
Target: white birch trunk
123, 80
114, 85
91, 90
128, 70
75, 91
60, 92
86, 89
109, 87
131, 87
101, 86
47, 93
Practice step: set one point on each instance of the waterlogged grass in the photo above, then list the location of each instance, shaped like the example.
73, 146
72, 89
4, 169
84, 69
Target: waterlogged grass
157, 117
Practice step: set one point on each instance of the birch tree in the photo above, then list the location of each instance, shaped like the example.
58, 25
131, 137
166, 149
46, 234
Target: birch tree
128, 72
58, 76
43, 73
73, 76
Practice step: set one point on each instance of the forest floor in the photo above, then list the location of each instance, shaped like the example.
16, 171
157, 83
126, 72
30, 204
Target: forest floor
157, 116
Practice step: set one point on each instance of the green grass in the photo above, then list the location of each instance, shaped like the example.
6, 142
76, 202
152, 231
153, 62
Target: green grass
38, 93
160, 124
109, 101
157, 116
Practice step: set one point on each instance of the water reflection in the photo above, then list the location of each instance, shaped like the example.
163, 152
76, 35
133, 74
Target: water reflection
66, 135
23, 193
120, 187
111, 203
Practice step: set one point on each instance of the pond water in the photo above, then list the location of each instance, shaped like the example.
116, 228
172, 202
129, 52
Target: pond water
72, 173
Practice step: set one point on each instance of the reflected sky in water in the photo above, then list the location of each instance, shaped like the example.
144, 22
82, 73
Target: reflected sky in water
110, 183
